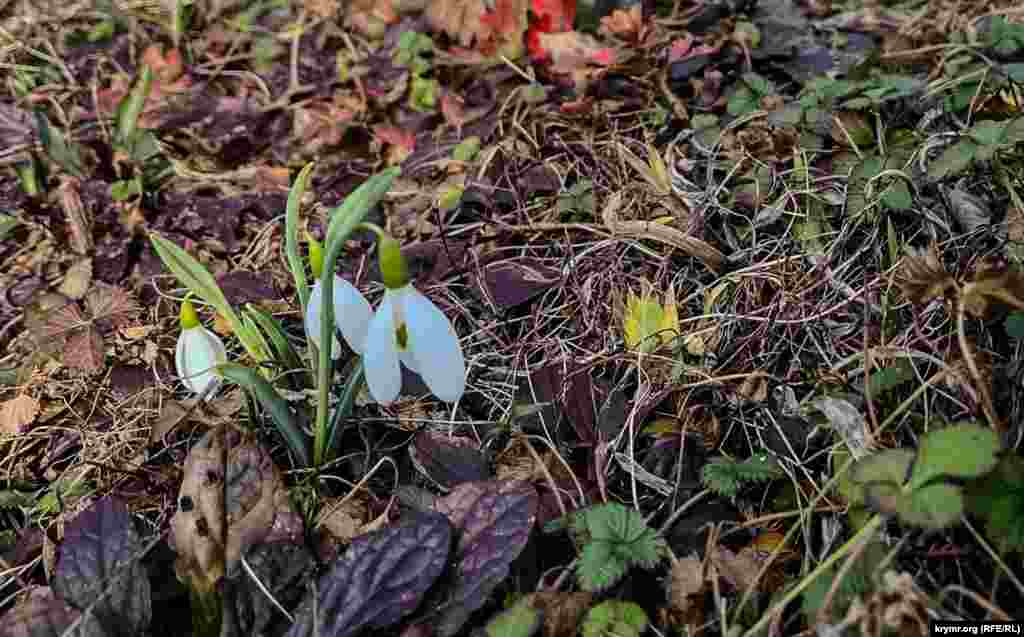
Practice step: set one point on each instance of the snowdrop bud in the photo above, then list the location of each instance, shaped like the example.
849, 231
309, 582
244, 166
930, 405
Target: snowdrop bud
392, 264
198, 351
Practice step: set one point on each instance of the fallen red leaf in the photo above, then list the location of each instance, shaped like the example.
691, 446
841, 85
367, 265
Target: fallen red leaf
550, 16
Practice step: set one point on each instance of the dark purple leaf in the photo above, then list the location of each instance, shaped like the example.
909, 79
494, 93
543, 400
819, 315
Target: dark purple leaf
448, 461
128, 380
283, 568
539, 180
510, 283
494, 520
380, 579
242, 287
42, 614
99, 567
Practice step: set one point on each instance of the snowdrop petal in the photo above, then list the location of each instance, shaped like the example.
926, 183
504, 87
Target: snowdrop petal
380, 354
312, 318
434, 345
197, 352
352, 314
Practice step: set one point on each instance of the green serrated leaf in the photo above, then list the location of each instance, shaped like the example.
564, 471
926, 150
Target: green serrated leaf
614, 618
961, 451
890, 466
600, 567
125, 189
522, 620
935, 506
999, 499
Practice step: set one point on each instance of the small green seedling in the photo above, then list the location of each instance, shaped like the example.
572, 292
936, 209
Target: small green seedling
749, 92
615, 618
981, 142
914, 487
725, 476
577, 201
613, 538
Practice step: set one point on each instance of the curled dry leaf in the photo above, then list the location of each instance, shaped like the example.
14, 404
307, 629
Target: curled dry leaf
924, 278
17, 413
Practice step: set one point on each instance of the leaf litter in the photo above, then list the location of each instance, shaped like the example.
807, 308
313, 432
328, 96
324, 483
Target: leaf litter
821, 218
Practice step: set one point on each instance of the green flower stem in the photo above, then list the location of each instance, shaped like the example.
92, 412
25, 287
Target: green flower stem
344, 220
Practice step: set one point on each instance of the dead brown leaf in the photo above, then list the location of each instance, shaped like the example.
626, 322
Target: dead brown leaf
625, 23
497, 31
84, 351
18, 413
923, 278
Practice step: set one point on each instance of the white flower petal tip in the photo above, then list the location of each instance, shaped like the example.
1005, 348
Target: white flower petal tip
198, 351
430, 348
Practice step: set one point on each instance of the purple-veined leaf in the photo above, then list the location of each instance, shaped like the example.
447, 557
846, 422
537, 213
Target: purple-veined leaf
99, 568
494, 520
380, 579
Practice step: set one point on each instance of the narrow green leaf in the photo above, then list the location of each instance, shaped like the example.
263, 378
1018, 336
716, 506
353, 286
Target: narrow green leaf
280, 346
286, 421
343, 408
199, 280
256, 335
192, 273
130, 108
291, 234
